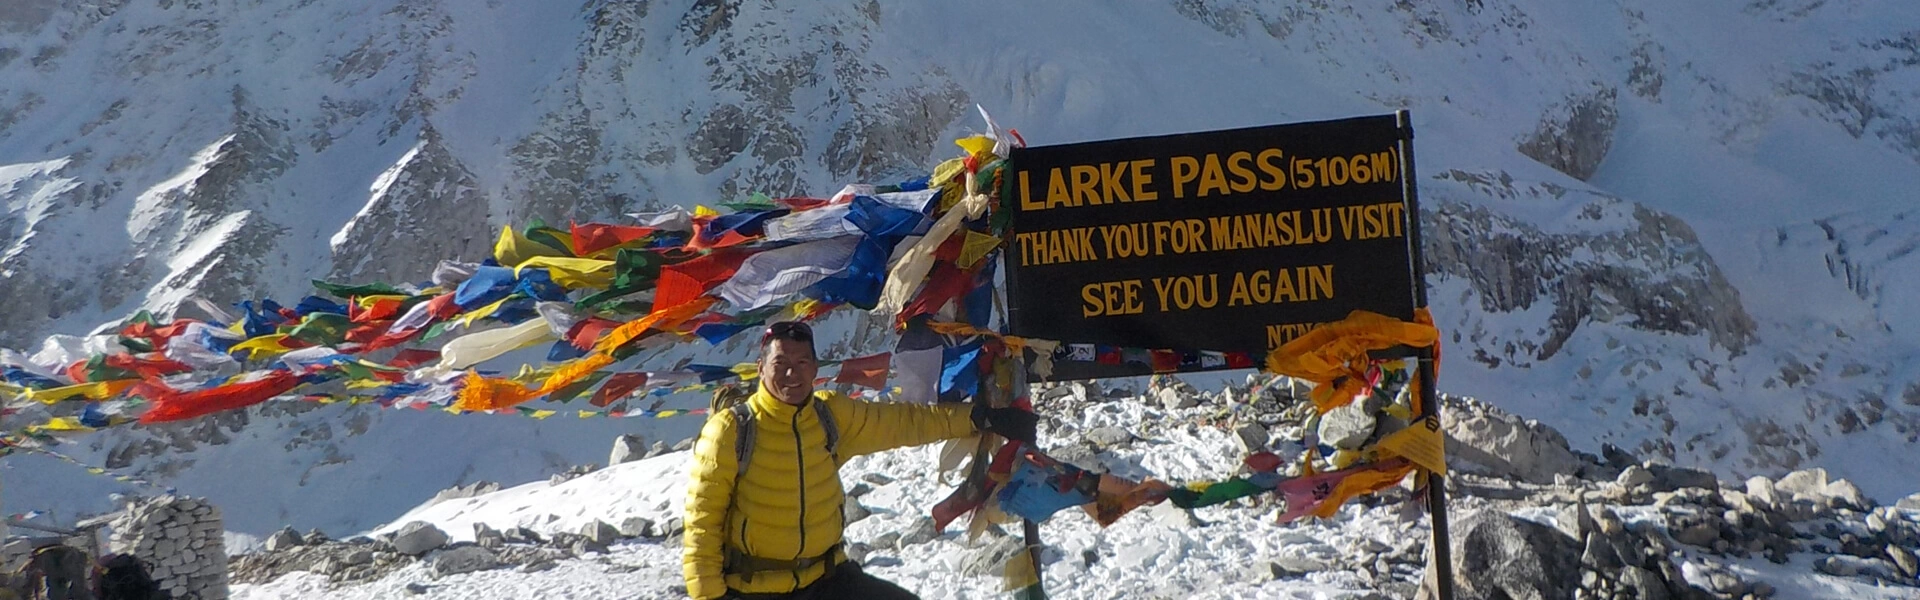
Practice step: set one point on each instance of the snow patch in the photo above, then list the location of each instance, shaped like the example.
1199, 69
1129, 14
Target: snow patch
376, 193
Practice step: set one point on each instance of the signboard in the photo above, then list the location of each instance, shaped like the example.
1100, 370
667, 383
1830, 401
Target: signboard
1235, 240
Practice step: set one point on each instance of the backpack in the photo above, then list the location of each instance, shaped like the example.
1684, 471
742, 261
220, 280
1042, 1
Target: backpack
58, 572
125, 577
733, 398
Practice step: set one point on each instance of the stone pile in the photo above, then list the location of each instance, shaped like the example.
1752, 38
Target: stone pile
180, 539
365, 559
1505, 465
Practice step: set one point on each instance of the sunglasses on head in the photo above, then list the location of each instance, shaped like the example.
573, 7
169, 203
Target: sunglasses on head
788, 330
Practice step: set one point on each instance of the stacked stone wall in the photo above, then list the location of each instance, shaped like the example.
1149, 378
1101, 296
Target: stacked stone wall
181, 541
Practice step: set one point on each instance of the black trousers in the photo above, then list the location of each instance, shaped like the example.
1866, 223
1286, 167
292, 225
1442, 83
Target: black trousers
845, 581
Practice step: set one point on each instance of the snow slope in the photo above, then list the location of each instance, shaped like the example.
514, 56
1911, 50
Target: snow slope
1151, 553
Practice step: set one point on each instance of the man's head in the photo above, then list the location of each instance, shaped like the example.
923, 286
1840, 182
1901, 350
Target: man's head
787, 363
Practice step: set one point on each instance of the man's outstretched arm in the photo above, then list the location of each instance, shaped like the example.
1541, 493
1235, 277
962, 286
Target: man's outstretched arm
869, 427
709, 494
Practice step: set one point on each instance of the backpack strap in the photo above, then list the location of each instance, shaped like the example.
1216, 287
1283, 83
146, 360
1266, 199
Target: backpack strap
743, 428
828, 426
743, 437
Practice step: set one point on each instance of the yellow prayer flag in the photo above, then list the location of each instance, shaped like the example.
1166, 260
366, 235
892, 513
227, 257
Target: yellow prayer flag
98, 390
701, 210
587, 414
975, 247
975, 144
483, 312
572, 273
513, 248
945, 173
61, 424
365, 302
543, 414
263, 347
1019, 573
1421, 443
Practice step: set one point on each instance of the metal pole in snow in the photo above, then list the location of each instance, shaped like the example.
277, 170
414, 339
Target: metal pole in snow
1442, 555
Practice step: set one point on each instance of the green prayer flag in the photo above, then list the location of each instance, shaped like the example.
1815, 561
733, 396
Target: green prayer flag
1225, 491
97, 370
322, 329
437, 329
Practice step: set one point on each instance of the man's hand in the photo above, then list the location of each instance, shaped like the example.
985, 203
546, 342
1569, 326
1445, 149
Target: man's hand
1011, 423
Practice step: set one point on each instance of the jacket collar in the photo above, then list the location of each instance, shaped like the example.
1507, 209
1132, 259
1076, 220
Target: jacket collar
766, 404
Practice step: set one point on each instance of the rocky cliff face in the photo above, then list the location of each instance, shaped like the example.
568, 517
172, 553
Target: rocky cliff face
1678, 230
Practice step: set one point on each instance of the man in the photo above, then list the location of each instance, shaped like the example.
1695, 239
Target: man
772, 528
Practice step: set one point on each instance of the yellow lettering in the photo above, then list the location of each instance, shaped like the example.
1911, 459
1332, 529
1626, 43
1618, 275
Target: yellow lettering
1141, 179
1185, 168
1093, 307
1222, 232
1160, 285
1026, 201
1083, 239
1085, 185
1283, 288
1319, 282
1383, 165
1243, 179
1211, 177
1057, 190
1276, 174
1110, 189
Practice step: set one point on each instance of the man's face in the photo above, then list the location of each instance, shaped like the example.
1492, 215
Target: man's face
787, 370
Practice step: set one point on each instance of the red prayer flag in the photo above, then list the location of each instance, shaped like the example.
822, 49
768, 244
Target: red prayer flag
413, 357
618, 386
943, 285
684, 282
174, 405
147, 367
77, 372
866, 371
1165, 361
442, 307
379, 309
588, 332
158, 336
366, 334
594, 237
1239, 360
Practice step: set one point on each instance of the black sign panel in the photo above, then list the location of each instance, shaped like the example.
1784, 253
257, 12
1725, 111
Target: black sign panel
1235, 240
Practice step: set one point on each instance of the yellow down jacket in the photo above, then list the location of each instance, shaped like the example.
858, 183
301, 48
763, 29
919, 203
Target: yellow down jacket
787, 505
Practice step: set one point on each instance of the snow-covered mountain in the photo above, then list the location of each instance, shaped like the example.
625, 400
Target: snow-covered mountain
1677, 228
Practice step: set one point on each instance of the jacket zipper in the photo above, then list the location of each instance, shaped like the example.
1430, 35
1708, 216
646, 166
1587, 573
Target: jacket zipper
800, 459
